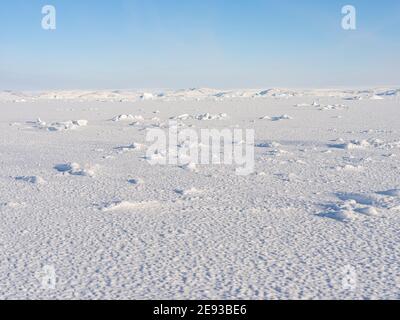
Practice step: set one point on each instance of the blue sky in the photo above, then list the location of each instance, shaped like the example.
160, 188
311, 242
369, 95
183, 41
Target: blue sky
198, 43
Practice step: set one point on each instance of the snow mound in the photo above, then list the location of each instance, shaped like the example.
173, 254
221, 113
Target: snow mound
136, 181
302, 105
357, 205
277, 118
31, 179
208, 116
369, 211
58, 126
268, 145
376, 97
128, 206
389, 93
322, 107
182, 117
74, 169
191, 166
188, 192
130, 147
147, 96
349, 211
349, 167
12, 205
332, 107
127, 117
358, 144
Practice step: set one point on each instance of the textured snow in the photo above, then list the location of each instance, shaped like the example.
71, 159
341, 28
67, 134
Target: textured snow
79, 195
197, 94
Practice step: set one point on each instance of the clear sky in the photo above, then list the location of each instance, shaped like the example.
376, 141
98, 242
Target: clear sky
198, 43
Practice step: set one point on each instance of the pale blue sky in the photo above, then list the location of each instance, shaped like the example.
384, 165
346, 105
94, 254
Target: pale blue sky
198, 43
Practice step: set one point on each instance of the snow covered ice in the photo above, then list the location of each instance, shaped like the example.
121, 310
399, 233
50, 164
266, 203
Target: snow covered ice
81, 196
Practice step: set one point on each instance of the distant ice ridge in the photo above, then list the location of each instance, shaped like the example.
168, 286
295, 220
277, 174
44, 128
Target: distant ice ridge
196, 94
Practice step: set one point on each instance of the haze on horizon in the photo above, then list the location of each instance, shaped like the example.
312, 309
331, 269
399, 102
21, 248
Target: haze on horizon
208, 43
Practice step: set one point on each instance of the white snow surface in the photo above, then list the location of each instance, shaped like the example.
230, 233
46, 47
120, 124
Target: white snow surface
324, 196
196, 94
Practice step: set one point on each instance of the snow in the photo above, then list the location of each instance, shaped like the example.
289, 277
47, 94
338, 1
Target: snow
57, 126
80, 196
208, 116
76, 170
33, 179
126, 206
127, 117
200, 94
